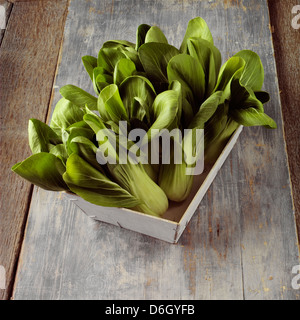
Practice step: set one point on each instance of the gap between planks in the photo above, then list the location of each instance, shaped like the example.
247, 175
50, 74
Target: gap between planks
15, 216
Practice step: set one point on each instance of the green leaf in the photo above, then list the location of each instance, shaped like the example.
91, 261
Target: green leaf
131, 54
155, 58
97, 71
232, 68
216, 124
141, 35
94, 121
108, 58
93, 186
139, 109
102, 80
75, 132
243, 97
174, 181
64, 115
189, 72
78, 96
197, 28
112, 126
134, 178
79, 124
187, 113
123, 69
103, 62
137, 94
60, 151
89, 63
176, 86
86, 141
118, 44
44, 170
210, 59
40, 136
154, 34
103, 134
127, 49
110, 105
252, 117
206, 110
217, 135
253, 73
165, 108
87, 150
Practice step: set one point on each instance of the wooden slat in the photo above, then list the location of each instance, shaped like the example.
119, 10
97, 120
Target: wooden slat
241, 242
286, 44
28, 60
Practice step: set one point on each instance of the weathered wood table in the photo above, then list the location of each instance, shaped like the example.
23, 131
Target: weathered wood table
242, 240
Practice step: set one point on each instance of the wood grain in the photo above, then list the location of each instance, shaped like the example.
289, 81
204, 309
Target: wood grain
240, 244
286, 44
28, 60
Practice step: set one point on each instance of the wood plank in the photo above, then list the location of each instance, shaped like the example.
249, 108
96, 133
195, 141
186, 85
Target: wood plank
28, 60
240, 244
286, 44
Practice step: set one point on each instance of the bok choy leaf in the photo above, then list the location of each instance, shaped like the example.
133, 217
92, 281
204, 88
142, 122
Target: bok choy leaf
44, 170
93, 186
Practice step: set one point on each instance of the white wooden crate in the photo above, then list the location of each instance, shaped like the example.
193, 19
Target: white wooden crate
169, 227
